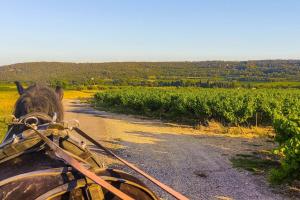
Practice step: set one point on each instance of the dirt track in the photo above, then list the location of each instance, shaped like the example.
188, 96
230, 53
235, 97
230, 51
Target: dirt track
193, 163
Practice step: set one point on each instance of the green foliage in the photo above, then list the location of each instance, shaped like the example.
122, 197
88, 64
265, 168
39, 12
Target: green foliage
288, 136
229, 106
280, 108
258, 163
221, 74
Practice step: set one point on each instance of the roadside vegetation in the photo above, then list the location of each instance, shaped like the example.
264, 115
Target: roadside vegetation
232, 107
198, 106
239, 107
8, 96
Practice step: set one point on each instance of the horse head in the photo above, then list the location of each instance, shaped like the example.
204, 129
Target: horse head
39, 99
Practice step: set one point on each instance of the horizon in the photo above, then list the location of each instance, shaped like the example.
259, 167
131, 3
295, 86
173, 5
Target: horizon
170, 61
134, 31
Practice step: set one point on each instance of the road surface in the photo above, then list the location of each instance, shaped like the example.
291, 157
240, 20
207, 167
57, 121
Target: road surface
191, 162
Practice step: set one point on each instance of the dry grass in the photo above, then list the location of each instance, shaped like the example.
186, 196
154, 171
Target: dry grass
245, 132
83, 94
7, 100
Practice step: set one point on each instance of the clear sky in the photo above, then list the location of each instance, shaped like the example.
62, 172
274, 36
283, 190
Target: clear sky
148, 30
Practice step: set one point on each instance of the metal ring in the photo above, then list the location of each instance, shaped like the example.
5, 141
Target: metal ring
35, 120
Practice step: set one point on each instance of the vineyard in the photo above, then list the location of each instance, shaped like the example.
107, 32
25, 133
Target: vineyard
239, 107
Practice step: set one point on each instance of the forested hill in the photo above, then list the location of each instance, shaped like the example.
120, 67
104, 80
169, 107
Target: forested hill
264, 70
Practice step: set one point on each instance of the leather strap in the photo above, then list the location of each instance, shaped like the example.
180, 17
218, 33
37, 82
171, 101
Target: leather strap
74, 163
166, 188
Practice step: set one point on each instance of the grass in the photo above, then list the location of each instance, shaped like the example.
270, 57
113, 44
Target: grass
83, 94
260, 162
263, 163
7, 100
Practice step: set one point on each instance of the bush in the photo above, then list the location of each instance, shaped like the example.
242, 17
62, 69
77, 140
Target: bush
288, 136
231, 107
280, 108
80, 87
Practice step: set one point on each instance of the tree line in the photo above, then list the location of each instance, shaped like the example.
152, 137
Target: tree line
178, 73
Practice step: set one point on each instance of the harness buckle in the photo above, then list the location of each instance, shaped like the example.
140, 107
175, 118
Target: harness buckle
31, 121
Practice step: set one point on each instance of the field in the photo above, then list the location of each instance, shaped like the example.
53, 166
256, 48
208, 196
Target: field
246, 107
8, 95
279, 108
231, 107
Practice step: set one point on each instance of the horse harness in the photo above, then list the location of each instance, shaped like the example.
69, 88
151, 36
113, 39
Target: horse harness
50, 134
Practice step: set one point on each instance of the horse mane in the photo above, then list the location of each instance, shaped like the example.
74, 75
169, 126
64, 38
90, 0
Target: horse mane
39, 98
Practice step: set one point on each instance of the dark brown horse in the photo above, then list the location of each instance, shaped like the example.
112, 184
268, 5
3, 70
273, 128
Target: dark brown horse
39, 98
30, 170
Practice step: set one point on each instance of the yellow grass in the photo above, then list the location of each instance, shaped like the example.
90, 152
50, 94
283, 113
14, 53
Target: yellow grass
73, 94
245, 132
7, 100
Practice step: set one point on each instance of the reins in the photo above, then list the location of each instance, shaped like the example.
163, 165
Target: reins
163, 186
78, 166
74, 163
35, 116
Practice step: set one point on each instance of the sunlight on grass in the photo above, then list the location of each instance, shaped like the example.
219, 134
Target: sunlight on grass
83, 94
7, 101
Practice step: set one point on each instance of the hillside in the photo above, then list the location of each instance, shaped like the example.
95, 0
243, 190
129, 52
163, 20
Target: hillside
264, 70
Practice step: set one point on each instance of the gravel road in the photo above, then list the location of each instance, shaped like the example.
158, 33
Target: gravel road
193, 163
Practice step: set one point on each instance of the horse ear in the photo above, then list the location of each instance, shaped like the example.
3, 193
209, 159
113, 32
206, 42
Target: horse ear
19, 87
60, 92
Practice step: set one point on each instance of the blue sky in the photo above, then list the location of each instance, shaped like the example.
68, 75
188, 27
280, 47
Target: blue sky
152, 30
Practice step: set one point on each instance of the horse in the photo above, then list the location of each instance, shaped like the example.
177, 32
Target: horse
37, 100
30, 170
